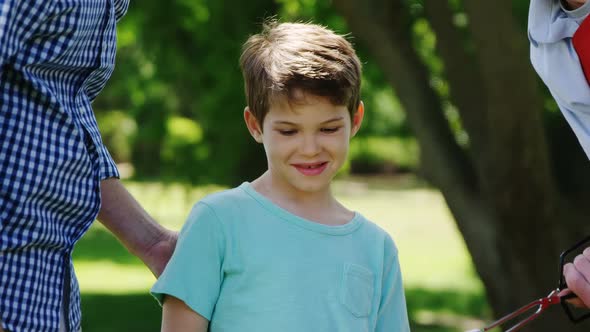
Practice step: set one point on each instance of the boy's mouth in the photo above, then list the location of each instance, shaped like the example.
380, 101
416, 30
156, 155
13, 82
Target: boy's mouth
311, 168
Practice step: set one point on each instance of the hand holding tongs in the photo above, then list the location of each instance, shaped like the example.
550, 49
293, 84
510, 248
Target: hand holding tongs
555, 297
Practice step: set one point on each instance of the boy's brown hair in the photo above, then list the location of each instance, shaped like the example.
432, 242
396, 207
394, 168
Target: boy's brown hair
286, 57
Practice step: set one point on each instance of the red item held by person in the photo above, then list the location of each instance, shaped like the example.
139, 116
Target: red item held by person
581, 41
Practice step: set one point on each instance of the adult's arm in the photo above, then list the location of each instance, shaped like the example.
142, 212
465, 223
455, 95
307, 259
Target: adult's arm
551, 27
132, 225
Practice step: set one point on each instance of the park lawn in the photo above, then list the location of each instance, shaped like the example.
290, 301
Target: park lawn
442, 290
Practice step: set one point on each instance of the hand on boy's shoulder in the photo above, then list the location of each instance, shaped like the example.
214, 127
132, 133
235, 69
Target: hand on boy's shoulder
158, 255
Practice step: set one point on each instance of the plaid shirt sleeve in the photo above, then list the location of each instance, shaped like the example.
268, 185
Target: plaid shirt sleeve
18, 22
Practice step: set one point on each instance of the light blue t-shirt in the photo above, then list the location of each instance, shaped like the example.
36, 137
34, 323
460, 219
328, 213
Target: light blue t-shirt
246, 264
550, 29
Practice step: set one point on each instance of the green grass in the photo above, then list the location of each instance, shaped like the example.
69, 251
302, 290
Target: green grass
442, 290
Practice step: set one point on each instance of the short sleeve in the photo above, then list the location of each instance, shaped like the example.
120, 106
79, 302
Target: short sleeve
557, 63
194, 273
392, 314
550, 31
18, 22
108, 167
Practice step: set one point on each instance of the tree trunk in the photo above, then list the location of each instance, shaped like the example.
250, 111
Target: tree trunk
501, 190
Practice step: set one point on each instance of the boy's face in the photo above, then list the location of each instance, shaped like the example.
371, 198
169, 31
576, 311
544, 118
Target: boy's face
306, 142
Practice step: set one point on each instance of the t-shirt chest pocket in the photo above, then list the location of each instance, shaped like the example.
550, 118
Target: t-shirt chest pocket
357, 289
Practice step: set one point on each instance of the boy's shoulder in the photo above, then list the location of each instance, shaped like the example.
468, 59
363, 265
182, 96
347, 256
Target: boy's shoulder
226, 199
374, 232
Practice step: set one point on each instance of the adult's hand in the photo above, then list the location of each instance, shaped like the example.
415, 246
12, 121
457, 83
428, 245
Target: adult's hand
577, 276
134, 227
157, 256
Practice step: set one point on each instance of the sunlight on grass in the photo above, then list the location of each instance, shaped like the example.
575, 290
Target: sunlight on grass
431, 250
112, 278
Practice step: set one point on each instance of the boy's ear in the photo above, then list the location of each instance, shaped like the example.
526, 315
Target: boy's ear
252, 124
357, 119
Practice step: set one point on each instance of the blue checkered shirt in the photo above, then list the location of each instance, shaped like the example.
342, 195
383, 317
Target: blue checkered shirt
55, 57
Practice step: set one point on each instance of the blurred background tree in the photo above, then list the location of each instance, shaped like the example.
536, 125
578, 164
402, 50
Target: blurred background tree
517, 198
450, 94
178, 78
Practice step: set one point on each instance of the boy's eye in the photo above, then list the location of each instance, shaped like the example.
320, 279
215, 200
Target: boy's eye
287, 132
330, 130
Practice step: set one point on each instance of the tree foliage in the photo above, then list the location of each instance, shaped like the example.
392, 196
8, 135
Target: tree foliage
177, 72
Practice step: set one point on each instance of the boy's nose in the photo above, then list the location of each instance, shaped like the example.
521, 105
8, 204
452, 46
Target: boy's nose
310, 146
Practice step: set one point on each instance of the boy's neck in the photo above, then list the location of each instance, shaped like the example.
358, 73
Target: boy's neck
319, 206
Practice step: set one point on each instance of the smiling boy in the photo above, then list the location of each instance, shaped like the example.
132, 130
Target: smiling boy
281, 253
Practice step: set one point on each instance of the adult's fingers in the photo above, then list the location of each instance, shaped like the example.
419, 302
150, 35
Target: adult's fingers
582, 264
573, 301
574, 274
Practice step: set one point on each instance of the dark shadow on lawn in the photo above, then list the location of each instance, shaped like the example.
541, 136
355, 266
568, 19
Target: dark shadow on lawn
120, 313
140, 312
